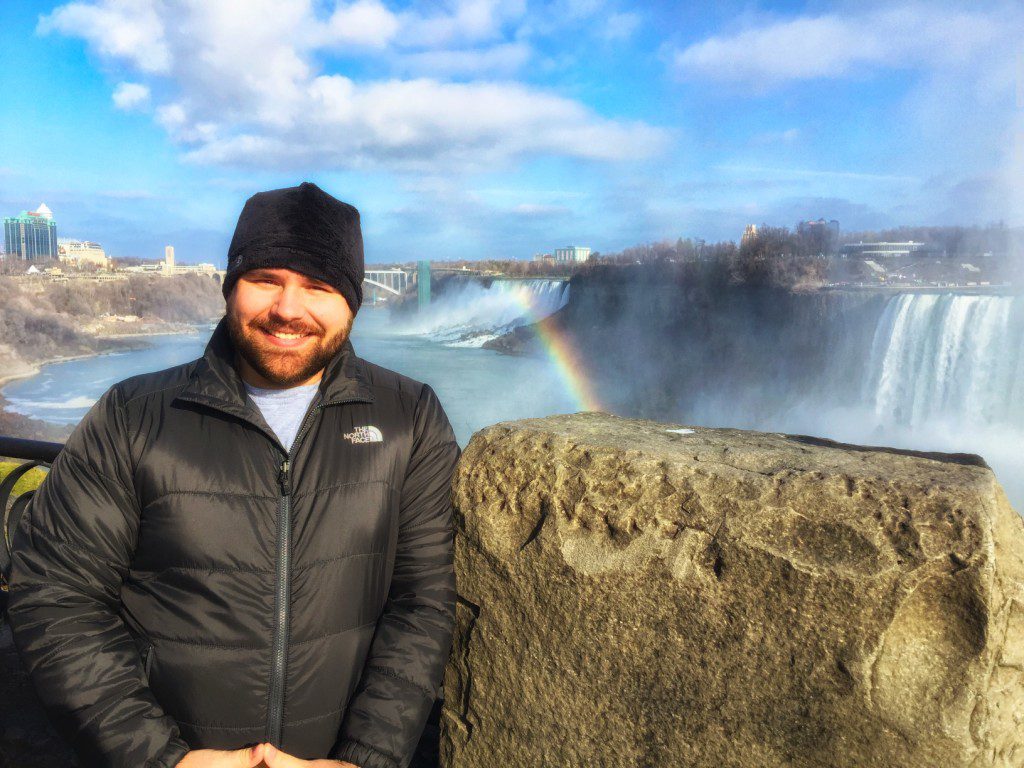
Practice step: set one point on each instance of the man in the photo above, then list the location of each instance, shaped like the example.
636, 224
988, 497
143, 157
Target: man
253, 549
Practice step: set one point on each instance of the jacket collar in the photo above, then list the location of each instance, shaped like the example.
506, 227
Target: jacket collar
215, 382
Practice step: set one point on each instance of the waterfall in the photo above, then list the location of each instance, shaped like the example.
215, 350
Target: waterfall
951, 357
469, 312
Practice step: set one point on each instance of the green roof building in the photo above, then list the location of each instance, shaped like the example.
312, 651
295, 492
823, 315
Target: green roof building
31, 236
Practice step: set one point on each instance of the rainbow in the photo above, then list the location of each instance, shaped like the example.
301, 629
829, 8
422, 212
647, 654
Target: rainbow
564, 356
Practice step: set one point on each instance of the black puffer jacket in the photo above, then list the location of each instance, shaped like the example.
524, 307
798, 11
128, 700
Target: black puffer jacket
179, 580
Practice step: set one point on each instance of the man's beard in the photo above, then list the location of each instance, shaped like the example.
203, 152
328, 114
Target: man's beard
285, 368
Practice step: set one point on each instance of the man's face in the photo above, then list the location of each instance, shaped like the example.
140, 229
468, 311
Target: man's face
286, 326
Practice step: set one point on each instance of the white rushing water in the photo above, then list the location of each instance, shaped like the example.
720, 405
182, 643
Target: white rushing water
468, 313
948, 357
944, 372
939, 372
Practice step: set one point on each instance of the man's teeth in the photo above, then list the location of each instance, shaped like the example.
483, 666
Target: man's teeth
287, 335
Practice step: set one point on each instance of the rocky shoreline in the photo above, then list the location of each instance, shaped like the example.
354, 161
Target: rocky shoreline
18, 425
106, 342
43, 321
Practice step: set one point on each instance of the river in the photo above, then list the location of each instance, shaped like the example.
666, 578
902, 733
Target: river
476, 386
940, 372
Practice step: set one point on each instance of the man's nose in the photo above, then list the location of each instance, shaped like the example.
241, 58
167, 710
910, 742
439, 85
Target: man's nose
289, 304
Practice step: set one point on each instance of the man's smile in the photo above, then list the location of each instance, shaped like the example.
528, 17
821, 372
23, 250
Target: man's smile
285, 340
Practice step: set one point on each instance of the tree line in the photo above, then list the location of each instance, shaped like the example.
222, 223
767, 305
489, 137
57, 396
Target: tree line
800, 257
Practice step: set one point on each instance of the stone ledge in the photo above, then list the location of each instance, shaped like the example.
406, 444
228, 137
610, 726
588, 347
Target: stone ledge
636, 593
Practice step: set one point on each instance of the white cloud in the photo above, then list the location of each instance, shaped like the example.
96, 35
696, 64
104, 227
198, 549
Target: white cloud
423, 124
502, 59
467, 21
128, 96
836, 45
171, 116
246, 85
131, 30
364, 22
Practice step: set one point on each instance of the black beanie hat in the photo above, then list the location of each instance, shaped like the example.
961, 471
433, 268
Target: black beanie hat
304, 229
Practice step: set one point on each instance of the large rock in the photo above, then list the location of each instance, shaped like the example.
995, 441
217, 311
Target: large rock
633, 594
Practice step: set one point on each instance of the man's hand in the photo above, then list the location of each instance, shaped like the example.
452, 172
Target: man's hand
219, 758
275, 758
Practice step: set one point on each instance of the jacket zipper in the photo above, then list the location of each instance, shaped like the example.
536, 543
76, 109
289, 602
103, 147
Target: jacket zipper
275, 710
282, 600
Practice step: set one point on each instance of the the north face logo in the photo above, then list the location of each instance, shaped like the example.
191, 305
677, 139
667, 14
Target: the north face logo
368, 434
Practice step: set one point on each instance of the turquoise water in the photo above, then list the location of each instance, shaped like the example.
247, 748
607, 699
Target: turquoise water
477, 387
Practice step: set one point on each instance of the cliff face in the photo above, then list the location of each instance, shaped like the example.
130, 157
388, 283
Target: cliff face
671, 342
638, 594
43, 320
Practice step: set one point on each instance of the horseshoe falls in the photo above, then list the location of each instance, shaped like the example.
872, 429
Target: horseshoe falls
946, 372
925, 370
936, 372
948, 357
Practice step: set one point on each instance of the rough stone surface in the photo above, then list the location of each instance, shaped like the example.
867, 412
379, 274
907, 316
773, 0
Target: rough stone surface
630, 595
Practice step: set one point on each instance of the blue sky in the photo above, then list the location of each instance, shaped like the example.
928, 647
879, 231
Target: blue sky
486, 129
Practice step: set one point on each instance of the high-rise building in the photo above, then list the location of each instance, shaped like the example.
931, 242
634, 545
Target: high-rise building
168, 259
32, 235
572, 253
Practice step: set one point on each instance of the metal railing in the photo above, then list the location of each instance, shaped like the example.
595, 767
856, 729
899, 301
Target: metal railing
33, 453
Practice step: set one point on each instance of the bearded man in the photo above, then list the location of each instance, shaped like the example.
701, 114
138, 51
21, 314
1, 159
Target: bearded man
246, 560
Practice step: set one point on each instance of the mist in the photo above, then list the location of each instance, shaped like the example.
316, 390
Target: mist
927, 370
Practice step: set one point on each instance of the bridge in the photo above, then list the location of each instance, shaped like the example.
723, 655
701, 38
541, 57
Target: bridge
393, 281
397, 281
378, 284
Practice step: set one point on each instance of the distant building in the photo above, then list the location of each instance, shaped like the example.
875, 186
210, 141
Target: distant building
543, 257
806, 227
32, 235
168, 267
81, 252
572, 253
169, 259
749, 233
886, 250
